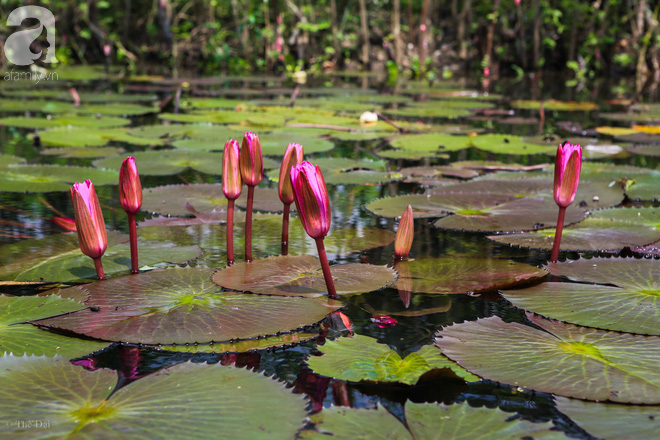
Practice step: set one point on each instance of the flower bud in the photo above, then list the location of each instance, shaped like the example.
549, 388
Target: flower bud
251, 161
90, 225
404, 234
568, 164
130, 188
311, 198
232, 184
293, 156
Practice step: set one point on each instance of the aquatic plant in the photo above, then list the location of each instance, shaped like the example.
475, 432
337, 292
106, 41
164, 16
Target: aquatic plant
404, 234
232, 185
130, 199
92, 236
568, 163
293, 156
252, 171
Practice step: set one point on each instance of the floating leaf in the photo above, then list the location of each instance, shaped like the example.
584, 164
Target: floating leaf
6, 160
611, 421
214, 399
552, 104
362, 358
178, 131
558, 358
167, 162
494, 165
466, 275
83, 152
183, 306
301, 275
426, 171
431, 142
275, 144
646, 118
361, 177
207, 117
58, 258
47, 178
645, 150
20, 339
342, 423
70, 120
242, 346
508, 144
429, 206
409, 154
73, 137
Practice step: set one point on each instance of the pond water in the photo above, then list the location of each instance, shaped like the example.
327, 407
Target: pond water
445, 257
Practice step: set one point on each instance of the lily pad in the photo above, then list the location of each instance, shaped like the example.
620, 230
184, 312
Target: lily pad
242, 346
465, 275
215, 399
552, 104
611, 229
410, 154
47, 178
73, 137
301, 275
426, 171
645, 150
20, 339
207, 117
179, 131
430, 206
508, 144
646, 118
58, 258
167, 162
611, 421
431, 142
426, 421
182, 306
558, 358
83, 153
59, 121
274, 144
630, 306
433, 110
7, 160
361, 177
362, 358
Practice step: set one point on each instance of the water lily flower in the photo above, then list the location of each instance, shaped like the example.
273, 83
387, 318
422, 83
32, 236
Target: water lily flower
368, 118
568, 164
130, 199
404, 234
92, 236
313, 207
292, 156
252, 171
232, 185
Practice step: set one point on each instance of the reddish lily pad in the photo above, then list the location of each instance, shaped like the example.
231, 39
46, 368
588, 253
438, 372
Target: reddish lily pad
182, 306
558, 358
465, 275
301, 275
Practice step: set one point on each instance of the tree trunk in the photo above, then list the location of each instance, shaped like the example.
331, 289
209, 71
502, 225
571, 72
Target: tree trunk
365, 34
537, 34
489, 36
423, 32
396, 31
463, 32
335, 30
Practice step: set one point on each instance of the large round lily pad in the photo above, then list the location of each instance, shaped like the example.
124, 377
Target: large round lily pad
301, 275
362, 358
183, 306
242, 346
58, 258
165, 162
431, 142
610, 421
275, 144
82, 153
59, 121
558, 358
631, 306
465, 275
430, 206
26, 339
47, 178
426, 421
508, 144
188, 400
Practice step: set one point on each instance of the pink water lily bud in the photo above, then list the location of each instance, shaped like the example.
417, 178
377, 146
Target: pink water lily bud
130, 187
92, 236
293, 156
251, 160
64, 222
311, 198
404, 235
568, 164
232, 183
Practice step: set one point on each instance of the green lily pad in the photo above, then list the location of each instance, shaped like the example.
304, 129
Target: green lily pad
242, 346
167, 162
430, 111
26, 339
6, 160
182, 306
83, 152
630, 306
508, 144
645, 150
610, 229
301, 275
58, 258
494, 165
178, 131
430, 206
339, 164
59, 121
47, 178
558, 358
611, 421
427, 171
207, 145
552, 104
647, 118
64, 95
409, 154
358, 136
431, 142
208, 117
275, 144
465, 275
154, 406
361, 177
426, 421
191, 102
362, 358
73, 137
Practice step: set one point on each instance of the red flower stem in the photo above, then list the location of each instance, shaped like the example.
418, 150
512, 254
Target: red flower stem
132, 232
248, 225
330, 284
285, 229
99, 268
230, 232
558, 231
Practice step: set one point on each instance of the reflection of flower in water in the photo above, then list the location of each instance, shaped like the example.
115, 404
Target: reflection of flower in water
404, 282
383, 321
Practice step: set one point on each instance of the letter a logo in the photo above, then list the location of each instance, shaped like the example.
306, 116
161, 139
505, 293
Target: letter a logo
17, 45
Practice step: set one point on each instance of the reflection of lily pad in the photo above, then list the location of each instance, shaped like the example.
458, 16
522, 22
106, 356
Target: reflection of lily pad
47, 178
154, 406
611, 421
630, 306
58, 258
558, 358
301, 275
466, 275
183, 306
361, 358
26, 339
166, 162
